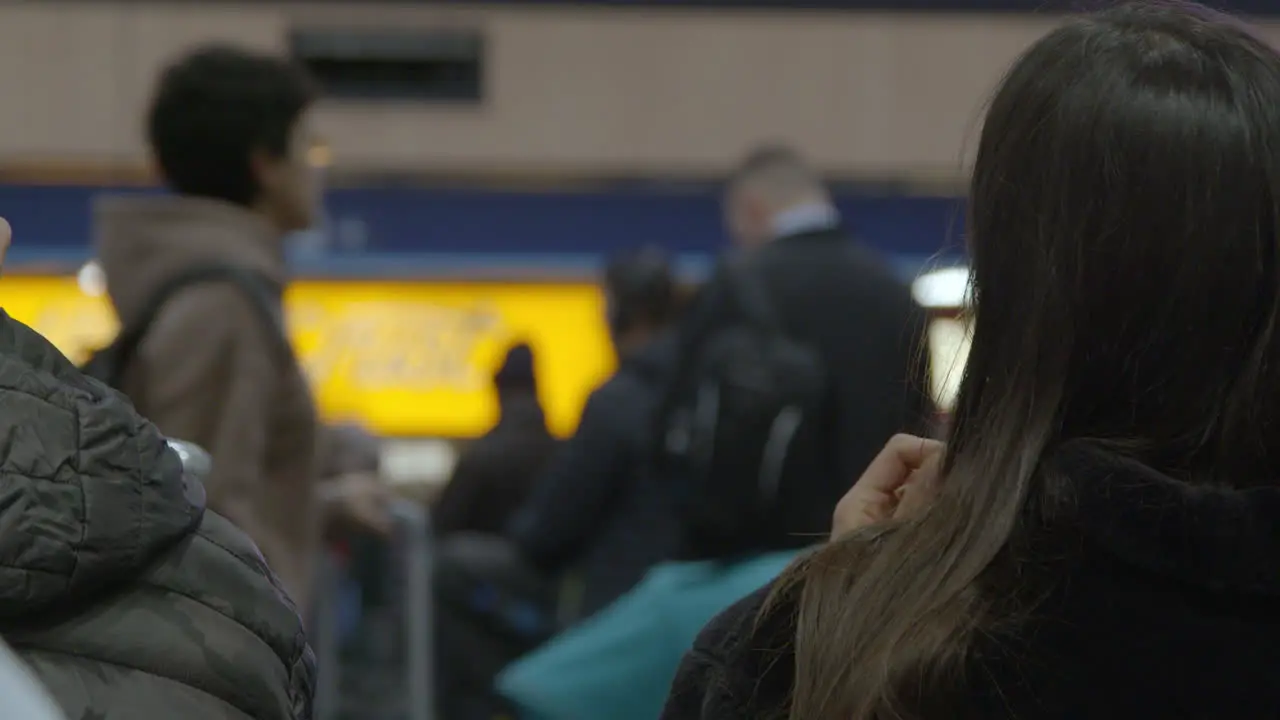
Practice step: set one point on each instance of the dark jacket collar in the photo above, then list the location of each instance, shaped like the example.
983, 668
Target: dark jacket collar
836, 234
144, 241
655, 359
807, 219
1216, 537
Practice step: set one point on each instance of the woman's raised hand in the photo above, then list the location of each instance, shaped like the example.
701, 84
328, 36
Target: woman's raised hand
899, 482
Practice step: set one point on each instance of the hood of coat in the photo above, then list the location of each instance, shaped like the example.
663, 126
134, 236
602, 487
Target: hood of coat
143, 241
1216, 537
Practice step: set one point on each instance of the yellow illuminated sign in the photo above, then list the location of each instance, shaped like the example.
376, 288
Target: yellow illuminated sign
404, 358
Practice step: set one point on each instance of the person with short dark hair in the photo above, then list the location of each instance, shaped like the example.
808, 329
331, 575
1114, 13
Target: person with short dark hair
230, 131
496, 472
641, 298
221, 121
596, 511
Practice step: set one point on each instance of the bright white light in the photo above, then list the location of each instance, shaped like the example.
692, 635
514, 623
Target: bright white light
92, 281
945, 288
418, 462
949, 341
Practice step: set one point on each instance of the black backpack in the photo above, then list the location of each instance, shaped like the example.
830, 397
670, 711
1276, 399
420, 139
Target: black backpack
108, 365
730, 435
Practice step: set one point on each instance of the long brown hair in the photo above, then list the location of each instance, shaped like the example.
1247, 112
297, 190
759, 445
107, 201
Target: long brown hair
1123, 236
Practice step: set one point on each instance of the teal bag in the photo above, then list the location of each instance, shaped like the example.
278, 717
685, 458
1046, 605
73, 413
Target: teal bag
619, 664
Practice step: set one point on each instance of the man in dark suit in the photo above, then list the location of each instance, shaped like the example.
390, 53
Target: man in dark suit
834, 295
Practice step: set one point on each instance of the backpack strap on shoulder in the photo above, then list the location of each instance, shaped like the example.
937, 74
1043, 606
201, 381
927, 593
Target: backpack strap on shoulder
264, 295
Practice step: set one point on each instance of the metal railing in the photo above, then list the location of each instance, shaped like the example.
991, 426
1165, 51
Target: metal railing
411, 547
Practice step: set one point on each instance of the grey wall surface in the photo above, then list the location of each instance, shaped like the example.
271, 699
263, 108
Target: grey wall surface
572, 90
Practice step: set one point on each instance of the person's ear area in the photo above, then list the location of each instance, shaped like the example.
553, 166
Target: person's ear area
266, 169
6, 236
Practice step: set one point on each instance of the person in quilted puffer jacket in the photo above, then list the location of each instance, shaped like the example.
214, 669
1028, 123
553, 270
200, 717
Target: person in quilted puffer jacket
120, 592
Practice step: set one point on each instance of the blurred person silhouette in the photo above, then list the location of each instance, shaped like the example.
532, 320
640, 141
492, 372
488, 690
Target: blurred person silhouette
355, 503
118, 590
358, 524
597, 510
797, 360
489, 607
495, 473
198, 275
354, 496
1100, 535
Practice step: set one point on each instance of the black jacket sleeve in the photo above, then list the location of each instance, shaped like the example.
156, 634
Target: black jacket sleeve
573, 494
741, 665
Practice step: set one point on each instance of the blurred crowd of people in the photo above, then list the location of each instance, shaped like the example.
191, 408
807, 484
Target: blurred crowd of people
701, 402
759, 514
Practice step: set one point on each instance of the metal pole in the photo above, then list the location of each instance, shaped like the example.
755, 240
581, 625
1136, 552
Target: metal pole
415, 526
325, 640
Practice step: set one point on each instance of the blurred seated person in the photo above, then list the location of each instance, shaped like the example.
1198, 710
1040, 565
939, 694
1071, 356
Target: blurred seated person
120, 592
596, 510
353, 494
491, 608
495, 473
355, 506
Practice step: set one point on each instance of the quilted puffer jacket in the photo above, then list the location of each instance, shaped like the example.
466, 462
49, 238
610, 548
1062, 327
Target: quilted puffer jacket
125, 598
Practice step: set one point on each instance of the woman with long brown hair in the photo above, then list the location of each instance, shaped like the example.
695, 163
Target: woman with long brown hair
1102, 535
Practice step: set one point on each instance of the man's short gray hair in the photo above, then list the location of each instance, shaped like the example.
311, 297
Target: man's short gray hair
779, 171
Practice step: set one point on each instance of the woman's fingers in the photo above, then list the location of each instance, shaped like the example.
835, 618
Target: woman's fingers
886, 485
903, 455
920, 489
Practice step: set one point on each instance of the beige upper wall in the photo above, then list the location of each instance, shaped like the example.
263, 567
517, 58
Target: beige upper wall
578, 91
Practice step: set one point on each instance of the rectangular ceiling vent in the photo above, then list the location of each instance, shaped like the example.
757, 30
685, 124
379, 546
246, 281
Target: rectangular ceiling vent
421, 66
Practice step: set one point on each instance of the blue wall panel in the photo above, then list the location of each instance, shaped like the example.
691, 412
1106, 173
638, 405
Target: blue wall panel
55, 222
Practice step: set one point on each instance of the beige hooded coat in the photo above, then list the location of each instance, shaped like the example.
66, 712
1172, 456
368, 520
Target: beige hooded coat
210, 371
